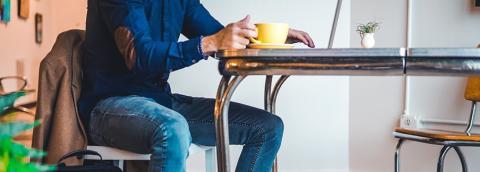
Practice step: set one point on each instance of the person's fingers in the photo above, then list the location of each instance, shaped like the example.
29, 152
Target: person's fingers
301, 38
243, 41
238, 46
246, 19
247, 33
240, 40
311, 44
244, 25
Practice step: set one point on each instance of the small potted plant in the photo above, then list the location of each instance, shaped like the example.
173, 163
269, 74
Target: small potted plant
367, 32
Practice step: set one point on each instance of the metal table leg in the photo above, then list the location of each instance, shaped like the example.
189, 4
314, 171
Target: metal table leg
268, 93
441, 158
224, 93
397, 155
462, 158
275, 92
270, 100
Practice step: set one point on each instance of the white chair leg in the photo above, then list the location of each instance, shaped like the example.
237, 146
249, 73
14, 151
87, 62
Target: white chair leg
121, 164
210, 162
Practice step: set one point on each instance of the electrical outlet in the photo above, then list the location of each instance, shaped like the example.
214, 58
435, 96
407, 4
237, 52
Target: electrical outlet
410, 122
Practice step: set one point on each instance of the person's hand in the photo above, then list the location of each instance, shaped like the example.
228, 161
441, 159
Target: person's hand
233, 36
295, 36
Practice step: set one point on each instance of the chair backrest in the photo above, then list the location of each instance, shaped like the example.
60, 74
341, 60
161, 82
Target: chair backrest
59, 88
472, 90
472, 93
11, 84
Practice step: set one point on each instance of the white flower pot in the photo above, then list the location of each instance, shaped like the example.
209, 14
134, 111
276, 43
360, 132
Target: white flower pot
368, 40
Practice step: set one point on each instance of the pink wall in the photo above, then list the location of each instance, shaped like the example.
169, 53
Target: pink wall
17, 38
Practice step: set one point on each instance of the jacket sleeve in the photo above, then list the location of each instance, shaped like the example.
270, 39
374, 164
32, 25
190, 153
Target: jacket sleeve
198, 21
128, 25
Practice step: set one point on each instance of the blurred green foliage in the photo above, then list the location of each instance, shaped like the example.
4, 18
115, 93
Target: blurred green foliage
14, 157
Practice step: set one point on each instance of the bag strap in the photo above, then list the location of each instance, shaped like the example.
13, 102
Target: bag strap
79, 154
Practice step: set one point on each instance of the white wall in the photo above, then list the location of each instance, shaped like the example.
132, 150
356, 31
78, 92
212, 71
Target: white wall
436, 23
17, 42
375, 102
69, 14
304, 124
314, 109
349, 128
17, 38
449, 24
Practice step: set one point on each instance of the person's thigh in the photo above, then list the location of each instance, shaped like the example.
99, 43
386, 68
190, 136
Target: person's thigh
135, 124
245, 122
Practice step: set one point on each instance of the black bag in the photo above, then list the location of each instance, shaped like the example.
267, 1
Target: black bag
100, 166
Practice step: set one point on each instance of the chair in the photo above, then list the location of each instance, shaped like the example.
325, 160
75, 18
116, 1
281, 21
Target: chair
62, 67
109, 153
448, 139
10, 84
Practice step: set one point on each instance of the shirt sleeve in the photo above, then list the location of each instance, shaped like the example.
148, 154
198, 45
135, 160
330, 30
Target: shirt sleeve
128, 25
198, 21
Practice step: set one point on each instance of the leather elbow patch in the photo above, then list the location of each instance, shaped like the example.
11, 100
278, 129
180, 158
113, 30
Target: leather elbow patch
125, 44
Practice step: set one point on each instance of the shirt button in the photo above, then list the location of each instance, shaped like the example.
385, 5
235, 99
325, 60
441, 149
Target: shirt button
194, 61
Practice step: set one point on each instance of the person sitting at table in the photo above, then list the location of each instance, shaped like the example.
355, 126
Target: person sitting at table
131, 48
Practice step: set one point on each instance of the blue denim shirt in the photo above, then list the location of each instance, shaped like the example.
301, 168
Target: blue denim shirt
132, 46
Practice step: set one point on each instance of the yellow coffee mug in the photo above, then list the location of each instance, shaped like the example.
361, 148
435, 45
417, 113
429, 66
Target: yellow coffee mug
271, 33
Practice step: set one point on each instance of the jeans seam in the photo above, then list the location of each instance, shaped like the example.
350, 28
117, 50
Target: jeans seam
262, 131
163, 145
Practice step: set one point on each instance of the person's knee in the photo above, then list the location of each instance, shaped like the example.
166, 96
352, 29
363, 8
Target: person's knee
173, 135
275, 125
177, 129
272, 127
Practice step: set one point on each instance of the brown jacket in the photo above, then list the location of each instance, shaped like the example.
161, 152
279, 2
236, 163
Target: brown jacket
59, 88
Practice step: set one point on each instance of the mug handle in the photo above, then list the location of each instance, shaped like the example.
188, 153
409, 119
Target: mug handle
253, 40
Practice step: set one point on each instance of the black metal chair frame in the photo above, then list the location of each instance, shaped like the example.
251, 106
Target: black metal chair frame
447, 144
24, 107
19, 78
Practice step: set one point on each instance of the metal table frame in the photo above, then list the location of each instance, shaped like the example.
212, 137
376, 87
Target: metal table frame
235, 66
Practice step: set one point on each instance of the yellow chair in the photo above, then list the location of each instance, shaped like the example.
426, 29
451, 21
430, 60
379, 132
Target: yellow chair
448, 139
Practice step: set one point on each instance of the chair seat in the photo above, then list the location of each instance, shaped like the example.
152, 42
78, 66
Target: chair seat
109, 153
440, 134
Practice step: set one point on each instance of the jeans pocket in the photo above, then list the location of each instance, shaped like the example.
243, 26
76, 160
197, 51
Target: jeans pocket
95, 129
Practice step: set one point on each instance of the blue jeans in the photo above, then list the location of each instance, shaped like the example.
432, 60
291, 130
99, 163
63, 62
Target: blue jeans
141, 125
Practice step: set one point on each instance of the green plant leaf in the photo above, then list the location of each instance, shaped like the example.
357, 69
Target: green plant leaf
370, 27
33, 153
7, 116
7, 100
19, 151
12, 129
13, 155
41, 167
